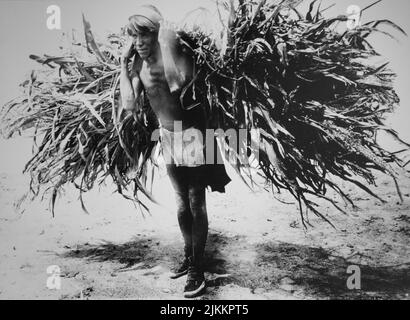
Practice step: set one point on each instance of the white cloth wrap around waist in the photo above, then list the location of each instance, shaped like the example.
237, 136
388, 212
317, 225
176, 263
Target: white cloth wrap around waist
183, 148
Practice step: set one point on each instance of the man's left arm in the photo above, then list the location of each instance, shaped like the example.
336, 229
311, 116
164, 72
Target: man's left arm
178, 66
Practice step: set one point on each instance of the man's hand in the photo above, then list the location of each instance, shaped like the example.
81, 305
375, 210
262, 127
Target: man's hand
167, 36
128, 51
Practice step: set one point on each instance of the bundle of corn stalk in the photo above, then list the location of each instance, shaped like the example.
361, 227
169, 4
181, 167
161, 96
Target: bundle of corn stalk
307, 88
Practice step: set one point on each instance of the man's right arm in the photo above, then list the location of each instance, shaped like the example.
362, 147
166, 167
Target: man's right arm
130, 86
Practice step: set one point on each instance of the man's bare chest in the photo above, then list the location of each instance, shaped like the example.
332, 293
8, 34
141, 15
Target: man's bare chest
153, 76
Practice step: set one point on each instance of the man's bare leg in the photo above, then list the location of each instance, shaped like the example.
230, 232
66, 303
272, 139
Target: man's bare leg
184, 216
185, 221
197, 202
196, 279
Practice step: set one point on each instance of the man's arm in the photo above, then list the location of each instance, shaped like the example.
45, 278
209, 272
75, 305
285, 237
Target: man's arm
130, 86
178, 66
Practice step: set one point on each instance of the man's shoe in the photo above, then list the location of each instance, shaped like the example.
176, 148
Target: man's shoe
195, 284
183, 269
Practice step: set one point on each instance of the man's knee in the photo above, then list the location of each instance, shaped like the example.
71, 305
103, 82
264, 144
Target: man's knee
197, 205
183, 206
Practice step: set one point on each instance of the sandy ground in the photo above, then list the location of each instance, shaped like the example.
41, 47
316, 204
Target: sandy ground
257, 247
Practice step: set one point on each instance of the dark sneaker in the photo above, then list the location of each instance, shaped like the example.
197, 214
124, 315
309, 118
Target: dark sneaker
182, 270
195, 283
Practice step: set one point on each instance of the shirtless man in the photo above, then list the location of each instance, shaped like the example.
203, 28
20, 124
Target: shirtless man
162, 69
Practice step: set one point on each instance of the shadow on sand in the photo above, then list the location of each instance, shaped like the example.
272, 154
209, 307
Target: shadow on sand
307, 271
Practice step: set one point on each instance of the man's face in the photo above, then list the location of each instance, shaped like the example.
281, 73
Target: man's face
145, 43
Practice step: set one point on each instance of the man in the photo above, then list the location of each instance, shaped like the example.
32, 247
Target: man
161, 69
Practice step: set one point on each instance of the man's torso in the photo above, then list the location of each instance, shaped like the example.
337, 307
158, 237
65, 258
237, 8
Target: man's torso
165, 104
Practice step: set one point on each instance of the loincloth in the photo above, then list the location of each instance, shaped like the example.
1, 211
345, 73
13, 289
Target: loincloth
184, 154
182, 148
